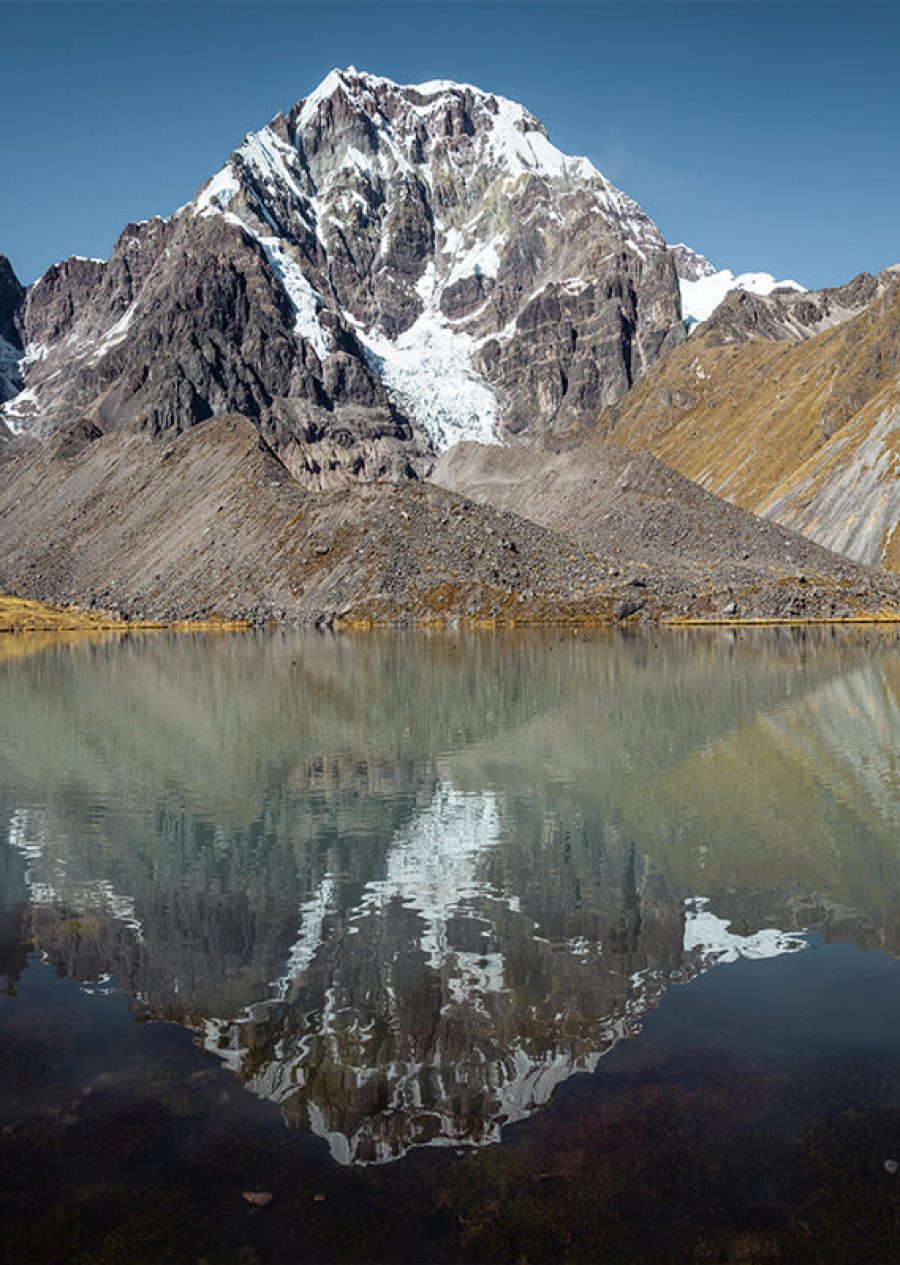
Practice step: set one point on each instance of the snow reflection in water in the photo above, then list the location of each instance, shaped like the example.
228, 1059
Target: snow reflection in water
399, 1087
405, 893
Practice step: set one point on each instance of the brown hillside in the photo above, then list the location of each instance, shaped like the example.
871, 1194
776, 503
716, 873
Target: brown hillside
805, 432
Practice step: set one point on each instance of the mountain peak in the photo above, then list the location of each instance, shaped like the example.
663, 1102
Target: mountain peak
351, 79
502, 130
378, 273
434, 215
690, 264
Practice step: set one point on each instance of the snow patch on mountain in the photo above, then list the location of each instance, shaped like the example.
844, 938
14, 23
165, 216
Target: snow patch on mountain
20, 410
701, 297
116, 334
304, 298
519, 145
481, 259
216, 195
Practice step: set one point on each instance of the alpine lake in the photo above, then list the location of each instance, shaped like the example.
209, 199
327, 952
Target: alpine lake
536, 946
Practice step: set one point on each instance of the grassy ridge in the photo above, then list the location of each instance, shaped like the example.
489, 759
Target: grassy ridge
18, 614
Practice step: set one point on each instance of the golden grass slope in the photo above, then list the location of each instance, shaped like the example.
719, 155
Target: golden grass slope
28, 628
17, 614
807, 433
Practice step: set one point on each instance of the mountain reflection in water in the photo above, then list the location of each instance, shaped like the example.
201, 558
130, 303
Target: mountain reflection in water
406, 885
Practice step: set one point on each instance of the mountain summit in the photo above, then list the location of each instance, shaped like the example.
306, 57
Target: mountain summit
493, 282
376, 274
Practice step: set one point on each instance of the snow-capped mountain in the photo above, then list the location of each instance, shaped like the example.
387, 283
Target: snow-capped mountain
374, 275
443, 220
700, 298
381, 272
703, 286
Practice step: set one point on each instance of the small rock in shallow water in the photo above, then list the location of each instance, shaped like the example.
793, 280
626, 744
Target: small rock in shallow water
259, 1198
892, 1167
627, 607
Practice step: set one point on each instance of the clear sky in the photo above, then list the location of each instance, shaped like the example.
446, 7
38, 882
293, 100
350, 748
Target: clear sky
764, 135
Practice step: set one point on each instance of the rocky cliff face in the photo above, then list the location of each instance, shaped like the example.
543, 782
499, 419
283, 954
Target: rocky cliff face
792, 315
376, 274
186, 321
689, 264
11, 295
12, 292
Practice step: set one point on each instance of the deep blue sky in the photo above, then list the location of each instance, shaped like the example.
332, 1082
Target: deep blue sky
766, 136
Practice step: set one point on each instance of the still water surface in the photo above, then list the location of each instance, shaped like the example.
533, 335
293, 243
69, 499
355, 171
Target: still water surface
395, 893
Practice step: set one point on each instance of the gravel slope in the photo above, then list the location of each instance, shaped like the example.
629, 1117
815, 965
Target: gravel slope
211, 523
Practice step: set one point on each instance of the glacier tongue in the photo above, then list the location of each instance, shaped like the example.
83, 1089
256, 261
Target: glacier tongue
428, 371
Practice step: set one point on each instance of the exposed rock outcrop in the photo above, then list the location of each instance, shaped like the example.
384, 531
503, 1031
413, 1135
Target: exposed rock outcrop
12, 292
186, 321
11, 295
793, 315
690, 264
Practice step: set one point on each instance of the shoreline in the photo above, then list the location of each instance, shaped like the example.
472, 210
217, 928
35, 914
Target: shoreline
21, 616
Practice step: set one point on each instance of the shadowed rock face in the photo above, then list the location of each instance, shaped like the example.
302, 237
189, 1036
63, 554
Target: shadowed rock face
374, 275
11, 295
186, 321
